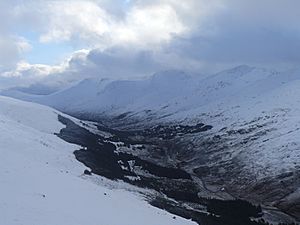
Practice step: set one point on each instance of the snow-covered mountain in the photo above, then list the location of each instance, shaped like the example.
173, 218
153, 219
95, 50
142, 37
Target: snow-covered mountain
252, 150
235, 99
43, 183
175, 94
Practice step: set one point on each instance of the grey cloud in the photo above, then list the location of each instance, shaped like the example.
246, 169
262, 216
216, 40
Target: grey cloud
251, 32
219, 34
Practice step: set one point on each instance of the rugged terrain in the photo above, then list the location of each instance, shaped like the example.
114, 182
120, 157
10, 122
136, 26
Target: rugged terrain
235, 132
43, 183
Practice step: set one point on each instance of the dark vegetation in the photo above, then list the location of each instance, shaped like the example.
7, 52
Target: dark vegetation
101, 157
160, 131
233, 208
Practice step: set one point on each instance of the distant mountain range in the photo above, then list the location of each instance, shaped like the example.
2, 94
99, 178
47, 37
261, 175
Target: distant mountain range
242, 91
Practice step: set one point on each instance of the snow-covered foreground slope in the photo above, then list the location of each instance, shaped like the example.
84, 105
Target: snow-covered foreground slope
42, 183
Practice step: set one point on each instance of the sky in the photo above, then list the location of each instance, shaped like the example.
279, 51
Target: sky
57, 42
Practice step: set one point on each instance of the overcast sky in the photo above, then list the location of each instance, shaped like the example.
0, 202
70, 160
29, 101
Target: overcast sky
56, 42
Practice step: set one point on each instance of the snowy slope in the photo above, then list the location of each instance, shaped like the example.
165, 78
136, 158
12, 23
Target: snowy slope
231, 99
255, 114
42, 183
96, 96
168, 92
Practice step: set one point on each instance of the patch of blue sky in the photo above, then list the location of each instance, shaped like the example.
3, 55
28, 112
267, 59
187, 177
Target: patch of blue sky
46, 53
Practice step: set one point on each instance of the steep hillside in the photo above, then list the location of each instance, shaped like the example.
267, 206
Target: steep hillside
43, 183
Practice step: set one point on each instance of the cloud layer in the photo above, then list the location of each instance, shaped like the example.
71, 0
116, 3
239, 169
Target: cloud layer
138, 37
